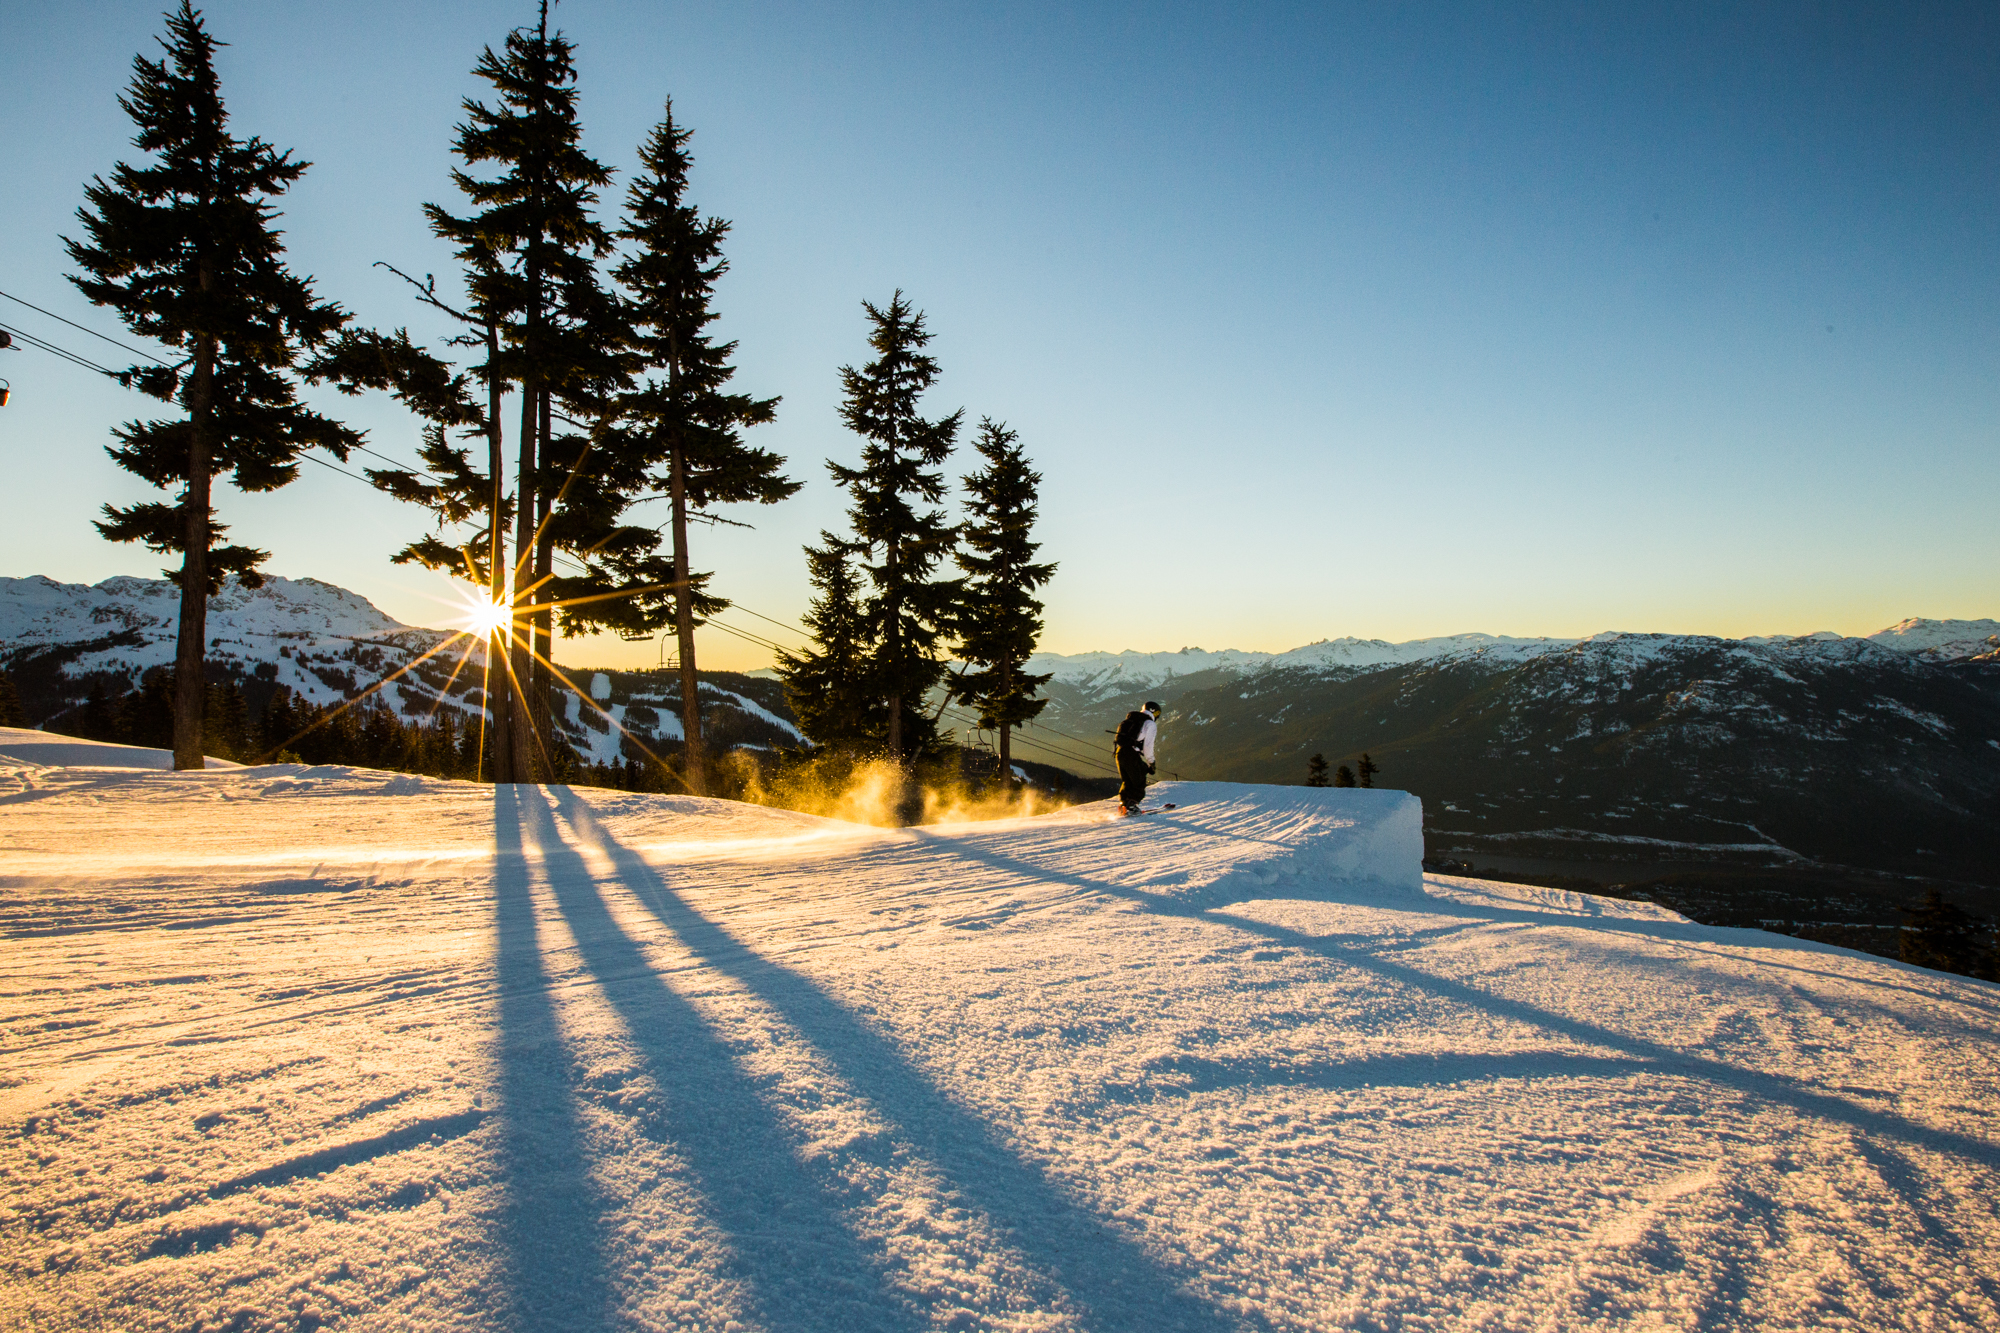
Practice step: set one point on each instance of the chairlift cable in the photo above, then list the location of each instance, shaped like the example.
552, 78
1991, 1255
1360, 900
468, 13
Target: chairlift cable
81, 329
63, 352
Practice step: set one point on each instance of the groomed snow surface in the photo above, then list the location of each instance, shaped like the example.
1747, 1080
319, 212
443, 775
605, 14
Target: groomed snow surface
297, 1048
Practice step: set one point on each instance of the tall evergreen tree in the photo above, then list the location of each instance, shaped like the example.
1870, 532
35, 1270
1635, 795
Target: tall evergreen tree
450, 487
529, 249
1316, 771
909, 613
185, 249
1366, 769
1000, 617
1343, 776
680, 425
829, 685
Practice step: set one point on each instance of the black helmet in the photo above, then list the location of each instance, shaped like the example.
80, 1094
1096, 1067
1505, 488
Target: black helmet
1152, 708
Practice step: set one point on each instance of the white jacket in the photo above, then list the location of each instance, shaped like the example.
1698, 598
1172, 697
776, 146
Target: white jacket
1147, 731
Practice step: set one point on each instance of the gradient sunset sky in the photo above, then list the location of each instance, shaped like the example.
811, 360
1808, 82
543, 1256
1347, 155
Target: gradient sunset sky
1388, 320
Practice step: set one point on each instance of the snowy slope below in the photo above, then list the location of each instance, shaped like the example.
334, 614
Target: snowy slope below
291, 1048
41, 749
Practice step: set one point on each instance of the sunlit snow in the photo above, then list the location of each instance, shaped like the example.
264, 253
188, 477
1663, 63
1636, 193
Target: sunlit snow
319, 1047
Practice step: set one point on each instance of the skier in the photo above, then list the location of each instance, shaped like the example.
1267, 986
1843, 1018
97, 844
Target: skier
1133, 749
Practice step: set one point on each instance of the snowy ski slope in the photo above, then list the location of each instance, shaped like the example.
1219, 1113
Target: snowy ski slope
294, 1048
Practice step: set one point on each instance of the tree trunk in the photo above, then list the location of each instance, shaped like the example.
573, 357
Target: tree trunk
540, 671
190, 653
1006, 728
894, 646
1006, 755
696, 754
499, 705
525, 739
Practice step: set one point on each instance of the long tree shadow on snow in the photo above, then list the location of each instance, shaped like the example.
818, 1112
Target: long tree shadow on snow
793, 1255
551, 1222
1888, 1136
1770, 1088
1687, 935
1117, 1284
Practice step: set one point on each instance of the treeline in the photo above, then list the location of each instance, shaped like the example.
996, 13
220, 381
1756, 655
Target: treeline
1317, 776
886, 615
592, 385
446, 742
286, 730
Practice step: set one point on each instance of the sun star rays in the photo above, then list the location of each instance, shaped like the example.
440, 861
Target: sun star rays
492, 630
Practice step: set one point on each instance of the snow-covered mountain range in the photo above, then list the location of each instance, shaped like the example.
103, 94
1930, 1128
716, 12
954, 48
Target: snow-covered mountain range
325, 644
126, 624
1592, 755
1105, 674
1879, 751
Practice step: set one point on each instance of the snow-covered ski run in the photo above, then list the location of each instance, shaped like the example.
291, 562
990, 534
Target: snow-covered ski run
296, 1048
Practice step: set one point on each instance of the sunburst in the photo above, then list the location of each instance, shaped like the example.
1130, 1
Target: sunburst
481, 618
490, 630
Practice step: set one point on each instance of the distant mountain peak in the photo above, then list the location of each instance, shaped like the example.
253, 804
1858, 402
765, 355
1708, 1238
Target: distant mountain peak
1104, 673
38, 609
1940, 640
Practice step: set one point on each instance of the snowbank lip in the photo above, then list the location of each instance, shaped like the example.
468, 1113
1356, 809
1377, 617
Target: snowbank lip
48, 749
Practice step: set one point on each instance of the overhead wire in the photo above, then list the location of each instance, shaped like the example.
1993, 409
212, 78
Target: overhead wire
62, 352
401, 466
779, 623
1027, 739
81, 328
341, 470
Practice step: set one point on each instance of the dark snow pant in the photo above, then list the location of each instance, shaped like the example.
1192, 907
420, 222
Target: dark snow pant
1131, 778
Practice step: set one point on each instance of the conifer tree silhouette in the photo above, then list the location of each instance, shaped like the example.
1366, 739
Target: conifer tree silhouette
185, 249
529, 249
909, 612
829, 685
1000, 617
678, 431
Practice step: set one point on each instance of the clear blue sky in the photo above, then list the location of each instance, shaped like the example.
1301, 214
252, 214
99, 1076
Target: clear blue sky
1385, 320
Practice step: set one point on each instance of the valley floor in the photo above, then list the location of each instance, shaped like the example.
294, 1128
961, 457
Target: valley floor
325, 1048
